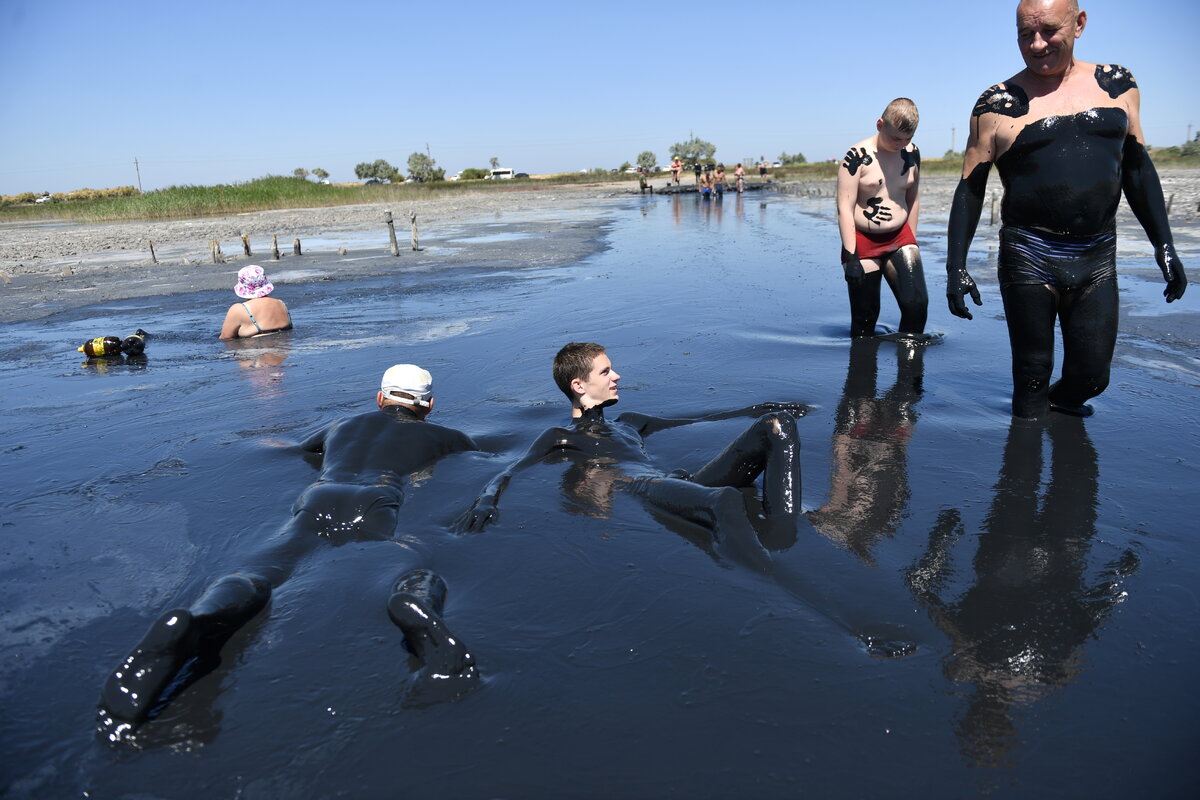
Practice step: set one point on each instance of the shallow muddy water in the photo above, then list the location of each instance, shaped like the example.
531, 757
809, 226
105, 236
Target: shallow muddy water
1044, 574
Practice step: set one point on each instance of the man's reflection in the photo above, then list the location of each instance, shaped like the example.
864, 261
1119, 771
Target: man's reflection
1016, 632
869, 486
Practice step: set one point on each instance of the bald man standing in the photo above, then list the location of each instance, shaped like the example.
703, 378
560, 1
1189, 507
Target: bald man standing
1066, 138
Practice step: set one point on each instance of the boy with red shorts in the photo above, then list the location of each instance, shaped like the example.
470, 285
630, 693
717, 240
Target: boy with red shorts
877, 216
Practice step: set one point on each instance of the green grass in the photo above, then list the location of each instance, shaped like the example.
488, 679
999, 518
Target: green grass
269, 193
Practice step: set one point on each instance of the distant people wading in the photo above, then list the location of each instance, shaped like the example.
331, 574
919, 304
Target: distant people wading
259, 314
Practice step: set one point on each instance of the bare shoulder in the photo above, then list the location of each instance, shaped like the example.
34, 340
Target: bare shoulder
1007, 99
860, 154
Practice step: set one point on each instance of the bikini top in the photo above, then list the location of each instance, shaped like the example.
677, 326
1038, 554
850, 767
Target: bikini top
258, 328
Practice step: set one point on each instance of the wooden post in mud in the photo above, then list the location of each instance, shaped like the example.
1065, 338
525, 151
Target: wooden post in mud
214, 249
412, 216
246, 244
993, 222
1170, 202
387, 217
295, 247
153, 258
275, 246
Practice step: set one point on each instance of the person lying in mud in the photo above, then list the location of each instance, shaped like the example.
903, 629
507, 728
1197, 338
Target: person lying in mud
877, 207
1066, 138
364, 461
770, 447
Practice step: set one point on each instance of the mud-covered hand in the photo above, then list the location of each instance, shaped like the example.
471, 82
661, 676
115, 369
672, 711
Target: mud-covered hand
1172, 270
853, 268
481, 513
958, 285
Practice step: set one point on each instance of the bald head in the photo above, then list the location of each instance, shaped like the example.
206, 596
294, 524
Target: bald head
1046, 34
1070, 7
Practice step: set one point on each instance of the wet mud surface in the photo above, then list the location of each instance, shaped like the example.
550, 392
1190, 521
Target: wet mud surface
1035, 582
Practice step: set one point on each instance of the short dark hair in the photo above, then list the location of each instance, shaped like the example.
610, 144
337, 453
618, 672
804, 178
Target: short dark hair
573, 361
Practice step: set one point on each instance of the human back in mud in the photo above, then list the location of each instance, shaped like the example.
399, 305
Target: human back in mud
364, 462
1066, 137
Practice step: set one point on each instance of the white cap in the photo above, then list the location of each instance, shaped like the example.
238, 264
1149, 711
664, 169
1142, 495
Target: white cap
407, 379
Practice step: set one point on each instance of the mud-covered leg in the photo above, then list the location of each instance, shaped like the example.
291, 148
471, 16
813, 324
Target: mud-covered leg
1030, 311
864, 303
447, 669
769, 447
721, 510
906, 278
1088, 319
133, 688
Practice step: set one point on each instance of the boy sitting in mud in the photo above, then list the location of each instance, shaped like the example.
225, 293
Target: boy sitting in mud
877, 208
613, 454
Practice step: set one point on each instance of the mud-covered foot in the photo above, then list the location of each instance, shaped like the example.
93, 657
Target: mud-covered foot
447, 668
134, 686
734, 536
1081, 410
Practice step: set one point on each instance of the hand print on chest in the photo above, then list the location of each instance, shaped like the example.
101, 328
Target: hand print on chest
877, 212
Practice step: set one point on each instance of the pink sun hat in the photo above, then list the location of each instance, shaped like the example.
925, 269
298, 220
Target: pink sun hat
252, 283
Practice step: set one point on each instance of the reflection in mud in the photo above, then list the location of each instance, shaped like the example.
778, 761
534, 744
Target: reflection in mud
261, 360
1017, 630
869, 486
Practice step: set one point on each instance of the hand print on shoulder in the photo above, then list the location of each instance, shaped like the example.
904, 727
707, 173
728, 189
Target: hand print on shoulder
857, 157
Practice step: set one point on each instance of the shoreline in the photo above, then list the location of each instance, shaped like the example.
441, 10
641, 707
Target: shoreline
47, 267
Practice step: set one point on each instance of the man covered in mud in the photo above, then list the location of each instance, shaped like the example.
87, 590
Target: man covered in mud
769, 447
1066, 137
364, 461
877, 207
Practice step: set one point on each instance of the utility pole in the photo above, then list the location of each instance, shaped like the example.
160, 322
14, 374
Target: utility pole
1189, 136
952, 148
139, 173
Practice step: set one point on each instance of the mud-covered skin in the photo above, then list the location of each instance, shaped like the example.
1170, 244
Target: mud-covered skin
1008, 100
1063, 174
906, 278
363, 461
446, 668
1082, 272
1065, 137
614, 454
856, 157
1114, 79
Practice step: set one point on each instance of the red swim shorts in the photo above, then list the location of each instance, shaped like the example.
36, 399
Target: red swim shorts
874, 245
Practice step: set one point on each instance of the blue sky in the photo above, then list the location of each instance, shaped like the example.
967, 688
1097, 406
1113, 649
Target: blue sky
224, 92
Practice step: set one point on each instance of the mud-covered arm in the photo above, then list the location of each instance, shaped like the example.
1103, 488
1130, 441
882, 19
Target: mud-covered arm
847, 198
912, 196
313, 447
1143, 191
484, 510
647, 424
965, 210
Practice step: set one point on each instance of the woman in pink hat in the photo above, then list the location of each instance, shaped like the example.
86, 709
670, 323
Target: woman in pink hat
259, 314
